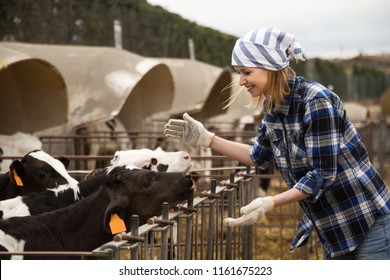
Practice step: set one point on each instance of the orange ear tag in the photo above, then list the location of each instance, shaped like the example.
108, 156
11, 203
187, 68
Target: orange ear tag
17, 179
117, 224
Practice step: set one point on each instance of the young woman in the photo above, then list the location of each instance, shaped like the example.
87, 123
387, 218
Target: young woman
316, 147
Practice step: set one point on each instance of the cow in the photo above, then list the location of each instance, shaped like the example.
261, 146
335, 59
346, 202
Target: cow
87, 224
155, 160
35, 172
163, 161
50, 199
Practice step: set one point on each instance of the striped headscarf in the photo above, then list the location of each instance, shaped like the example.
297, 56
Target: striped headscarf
266, 48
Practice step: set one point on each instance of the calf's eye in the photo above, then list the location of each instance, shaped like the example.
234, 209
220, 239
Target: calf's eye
147, 184
42, 174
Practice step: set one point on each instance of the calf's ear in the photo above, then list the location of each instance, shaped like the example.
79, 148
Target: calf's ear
95, 172
16, 173
115, 210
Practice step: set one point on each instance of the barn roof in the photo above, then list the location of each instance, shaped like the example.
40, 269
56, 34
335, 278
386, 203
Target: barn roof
199, 88
33, 93
105, 82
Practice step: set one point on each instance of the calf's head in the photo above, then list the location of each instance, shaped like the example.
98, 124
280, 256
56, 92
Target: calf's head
38, 171
156, 160
142, 192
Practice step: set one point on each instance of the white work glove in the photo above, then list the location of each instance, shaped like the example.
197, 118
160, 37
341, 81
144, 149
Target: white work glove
189, 131
252, 212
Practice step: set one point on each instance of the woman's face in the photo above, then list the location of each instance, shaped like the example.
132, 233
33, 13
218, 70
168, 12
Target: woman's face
254, 79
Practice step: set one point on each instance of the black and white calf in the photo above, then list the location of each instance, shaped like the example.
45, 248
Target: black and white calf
156, 160
50, 199
35, 172
85, 225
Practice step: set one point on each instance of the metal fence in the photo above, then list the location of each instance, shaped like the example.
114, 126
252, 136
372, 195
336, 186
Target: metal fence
195, 230
374, 135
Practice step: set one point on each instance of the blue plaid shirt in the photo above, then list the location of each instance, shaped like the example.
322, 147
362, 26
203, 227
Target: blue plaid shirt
319, 152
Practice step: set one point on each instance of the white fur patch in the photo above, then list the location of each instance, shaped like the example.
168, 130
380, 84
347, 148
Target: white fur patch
62, 188
14, 207
12, 244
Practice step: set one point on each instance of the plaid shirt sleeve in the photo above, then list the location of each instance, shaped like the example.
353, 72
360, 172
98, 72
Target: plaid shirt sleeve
261, 153
322, 141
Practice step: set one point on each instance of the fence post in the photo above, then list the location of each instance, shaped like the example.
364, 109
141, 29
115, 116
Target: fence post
134, 232
188, 243
230, 192
247, 231
164, 233
210, 239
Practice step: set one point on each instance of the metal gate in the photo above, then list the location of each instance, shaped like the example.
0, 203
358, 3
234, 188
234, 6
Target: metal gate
195, 230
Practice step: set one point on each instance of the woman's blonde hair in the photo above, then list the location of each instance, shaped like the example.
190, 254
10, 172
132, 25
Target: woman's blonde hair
277, 90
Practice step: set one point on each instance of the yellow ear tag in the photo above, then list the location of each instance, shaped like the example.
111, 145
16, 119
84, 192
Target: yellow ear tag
117, 224
17, 179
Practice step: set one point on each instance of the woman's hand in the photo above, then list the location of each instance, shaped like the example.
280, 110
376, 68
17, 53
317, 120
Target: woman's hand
189, 131
253, 212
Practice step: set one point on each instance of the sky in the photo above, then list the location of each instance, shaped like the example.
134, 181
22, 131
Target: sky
325, 29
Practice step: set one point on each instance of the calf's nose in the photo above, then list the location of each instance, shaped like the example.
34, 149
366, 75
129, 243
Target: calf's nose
186, 156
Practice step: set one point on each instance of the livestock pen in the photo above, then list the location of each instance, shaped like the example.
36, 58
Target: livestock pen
194, 230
